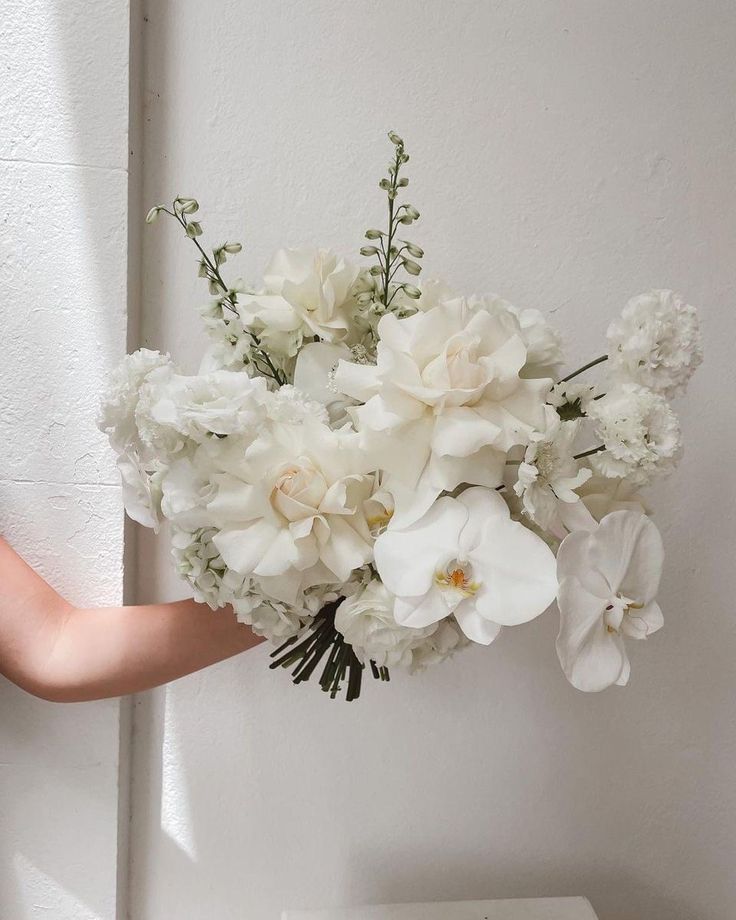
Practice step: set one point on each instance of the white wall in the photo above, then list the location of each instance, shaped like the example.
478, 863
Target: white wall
63, 240
567, 155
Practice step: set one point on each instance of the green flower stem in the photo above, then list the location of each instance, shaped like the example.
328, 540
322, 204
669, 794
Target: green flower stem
585, 367
589, 453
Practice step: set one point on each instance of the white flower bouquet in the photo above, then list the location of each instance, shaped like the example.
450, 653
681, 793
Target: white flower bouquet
373, 472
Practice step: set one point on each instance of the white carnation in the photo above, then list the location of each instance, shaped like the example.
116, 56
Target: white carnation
366, 620
640, 432
292, 406
656, 342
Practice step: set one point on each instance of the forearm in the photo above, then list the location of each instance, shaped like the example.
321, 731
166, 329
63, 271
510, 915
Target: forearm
59, 652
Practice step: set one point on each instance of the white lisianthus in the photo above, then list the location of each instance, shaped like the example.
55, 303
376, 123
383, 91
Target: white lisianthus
640, 432
307, 292
443, 643
216, 404
656, 342
366, 620
141, 489
290, 512
549, 473
466, 557
445, 401
117, 416
608, 581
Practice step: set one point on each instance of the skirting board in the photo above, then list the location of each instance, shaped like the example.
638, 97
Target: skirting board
534, 909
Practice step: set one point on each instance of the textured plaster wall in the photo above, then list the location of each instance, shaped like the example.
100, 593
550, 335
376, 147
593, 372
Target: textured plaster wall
63, 240
566, 155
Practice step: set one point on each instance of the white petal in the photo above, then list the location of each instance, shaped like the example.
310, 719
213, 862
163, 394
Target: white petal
407, 560
461, 432
313, 368
642, 623
418, 612
627, 549
476, 627
591, 657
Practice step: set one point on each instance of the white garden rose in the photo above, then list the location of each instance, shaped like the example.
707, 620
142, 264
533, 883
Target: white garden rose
445, 401
466, 557
367, 622
609, 579
290, 509
656, 342
307, 292
640, 432
543, 342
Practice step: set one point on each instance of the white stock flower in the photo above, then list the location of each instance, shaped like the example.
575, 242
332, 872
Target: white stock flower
656, 342
608, 581
466, 557
366, 620
445, 401
307, 292
117, 417
549, 473
640, 432
290, 510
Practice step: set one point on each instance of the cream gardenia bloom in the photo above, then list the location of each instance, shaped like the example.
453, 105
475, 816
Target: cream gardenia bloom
466, 557
307, 292
445, 401
608, 581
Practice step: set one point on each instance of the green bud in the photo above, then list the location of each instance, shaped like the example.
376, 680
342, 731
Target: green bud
412, 291
220, 256
194, 229
365, 298
412, 267
232, 248
395, 139
368, 251
373, 234
403, 182
204, 271
416, 251
153, 214
375, 269
188, 205
384, 184
412, 212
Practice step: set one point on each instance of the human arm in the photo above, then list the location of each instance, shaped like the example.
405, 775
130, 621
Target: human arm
67, 654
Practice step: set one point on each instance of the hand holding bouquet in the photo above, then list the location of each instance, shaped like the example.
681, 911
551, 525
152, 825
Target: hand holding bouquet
374, 472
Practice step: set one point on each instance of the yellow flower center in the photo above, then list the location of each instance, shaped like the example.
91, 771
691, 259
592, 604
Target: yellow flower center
457, 578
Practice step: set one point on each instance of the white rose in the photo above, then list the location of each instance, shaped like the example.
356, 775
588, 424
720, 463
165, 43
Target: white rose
445, 401
307, 292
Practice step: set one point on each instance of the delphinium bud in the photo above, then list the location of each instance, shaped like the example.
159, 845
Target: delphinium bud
416, 251
413, 268
373, 234
412, 291
368, 250
193, 229
187, 205
153, 214
395, 139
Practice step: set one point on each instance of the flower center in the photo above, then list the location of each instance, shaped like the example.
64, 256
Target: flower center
457, 577
617, 610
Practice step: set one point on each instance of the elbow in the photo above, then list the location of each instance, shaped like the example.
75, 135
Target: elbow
52, 689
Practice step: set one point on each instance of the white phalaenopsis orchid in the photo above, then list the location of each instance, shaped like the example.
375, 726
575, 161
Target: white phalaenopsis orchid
445, 401
466, 557
609, 578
